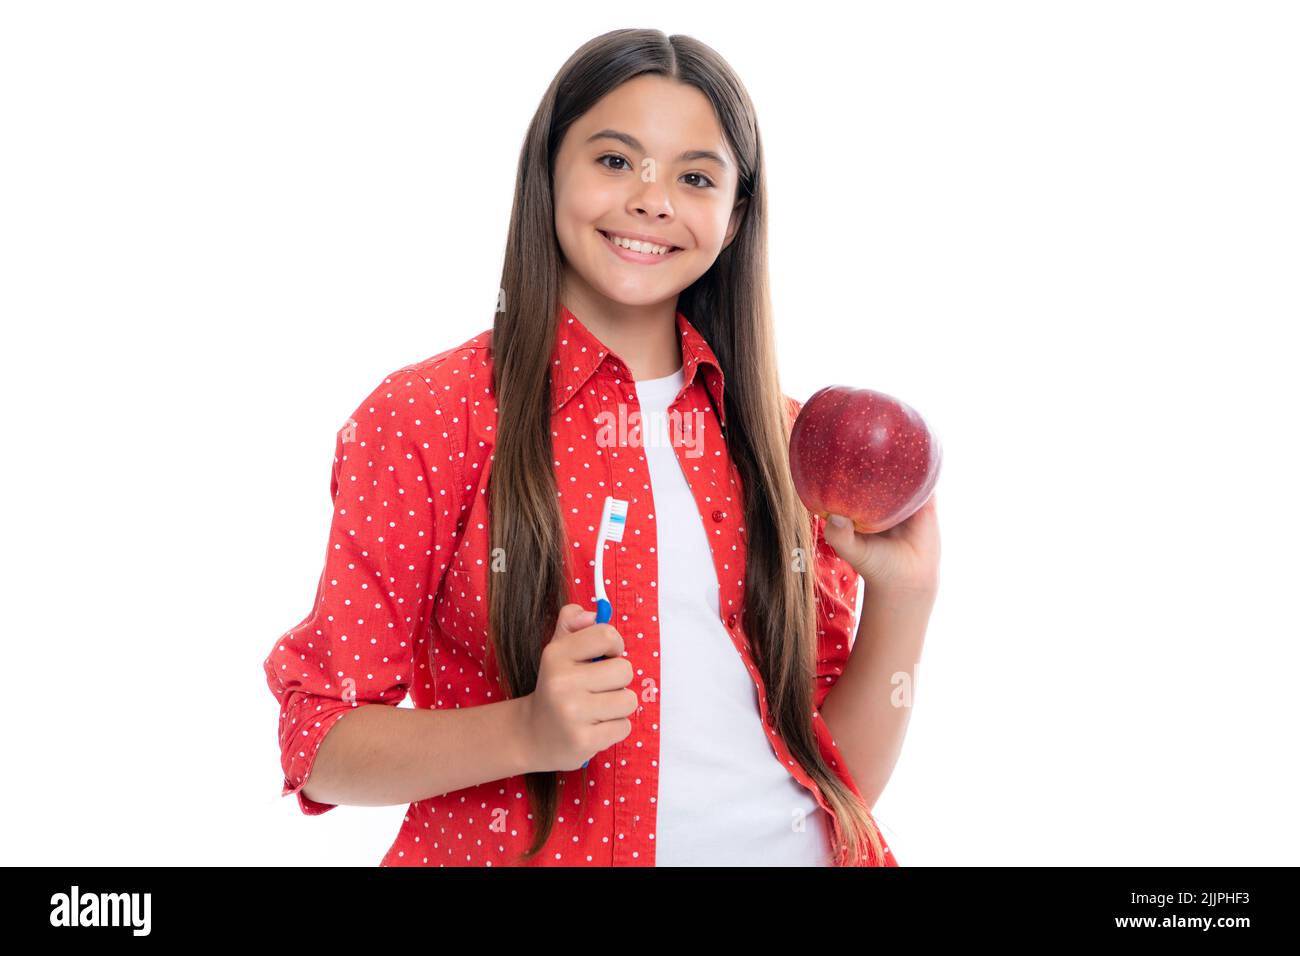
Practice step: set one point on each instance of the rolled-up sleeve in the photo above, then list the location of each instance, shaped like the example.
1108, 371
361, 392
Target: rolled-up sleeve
837, 586
393, 470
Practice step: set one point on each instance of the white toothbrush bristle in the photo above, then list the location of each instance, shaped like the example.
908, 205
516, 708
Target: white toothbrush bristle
615, 518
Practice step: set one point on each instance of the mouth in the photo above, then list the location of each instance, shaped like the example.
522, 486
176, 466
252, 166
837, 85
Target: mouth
631, 255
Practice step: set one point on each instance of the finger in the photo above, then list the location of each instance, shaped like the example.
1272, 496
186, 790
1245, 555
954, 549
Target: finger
838, 537
611, 674
592, 642
573, 618
831, 533
611, 705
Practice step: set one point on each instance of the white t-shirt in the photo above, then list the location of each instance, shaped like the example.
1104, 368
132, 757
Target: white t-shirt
725, 799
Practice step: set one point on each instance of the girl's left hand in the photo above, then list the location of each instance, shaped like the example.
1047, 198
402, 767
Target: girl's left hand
902, 560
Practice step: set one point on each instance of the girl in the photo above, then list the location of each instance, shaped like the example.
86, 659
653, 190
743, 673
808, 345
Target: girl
634, 294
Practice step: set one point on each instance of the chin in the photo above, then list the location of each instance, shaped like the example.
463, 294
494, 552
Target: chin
634, 297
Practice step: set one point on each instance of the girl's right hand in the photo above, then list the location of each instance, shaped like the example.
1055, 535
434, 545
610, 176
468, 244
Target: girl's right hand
580, 706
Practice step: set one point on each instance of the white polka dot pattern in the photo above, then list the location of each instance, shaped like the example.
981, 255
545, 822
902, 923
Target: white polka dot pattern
401, 606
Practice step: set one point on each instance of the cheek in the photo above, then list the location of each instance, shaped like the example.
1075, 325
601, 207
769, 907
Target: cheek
584, 199
706, 229
571, 219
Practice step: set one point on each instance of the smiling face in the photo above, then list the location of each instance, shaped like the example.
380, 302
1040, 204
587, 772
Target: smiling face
647, 161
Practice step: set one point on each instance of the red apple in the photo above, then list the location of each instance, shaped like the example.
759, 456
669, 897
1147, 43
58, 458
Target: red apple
863, 454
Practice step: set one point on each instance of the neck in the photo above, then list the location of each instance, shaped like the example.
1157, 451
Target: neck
643, 336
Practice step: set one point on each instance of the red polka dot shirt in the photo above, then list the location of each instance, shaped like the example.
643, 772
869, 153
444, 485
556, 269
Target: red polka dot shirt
401, 605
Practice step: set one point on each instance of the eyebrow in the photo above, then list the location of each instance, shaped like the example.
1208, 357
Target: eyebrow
634, 143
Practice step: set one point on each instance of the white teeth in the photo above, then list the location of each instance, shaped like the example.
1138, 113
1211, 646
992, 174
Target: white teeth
637, 245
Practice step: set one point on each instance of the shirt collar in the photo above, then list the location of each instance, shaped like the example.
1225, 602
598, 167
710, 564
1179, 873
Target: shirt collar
578, 353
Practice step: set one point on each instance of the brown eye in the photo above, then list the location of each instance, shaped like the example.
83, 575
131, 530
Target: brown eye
703, 177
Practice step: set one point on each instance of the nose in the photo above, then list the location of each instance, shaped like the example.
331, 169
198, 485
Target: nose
652, 201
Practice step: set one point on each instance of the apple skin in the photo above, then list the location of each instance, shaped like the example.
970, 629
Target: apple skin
863, 454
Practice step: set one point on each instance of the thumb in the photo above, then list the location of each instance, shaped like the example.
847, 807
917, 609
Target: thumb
838, 521
574, 618
843, 538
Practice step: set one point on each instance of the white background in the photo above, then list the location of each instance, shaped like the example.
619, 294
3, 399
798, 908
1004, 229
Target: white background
1067, 233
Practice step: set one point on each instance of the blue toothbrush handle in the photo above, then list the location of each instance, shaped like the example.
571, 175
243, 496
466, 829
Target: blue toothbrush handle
604, 611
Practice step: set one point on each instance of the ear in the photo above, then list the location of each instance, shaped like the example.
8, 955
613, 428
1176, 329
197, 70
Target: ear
737, 217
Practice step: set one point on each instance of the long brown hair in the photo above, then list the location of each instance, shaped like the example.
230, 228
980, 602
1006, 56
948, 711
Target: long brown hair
729, 305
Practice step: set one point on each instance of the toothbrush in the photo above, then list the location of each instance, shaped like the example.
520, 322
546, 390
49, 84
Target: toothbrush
613, 518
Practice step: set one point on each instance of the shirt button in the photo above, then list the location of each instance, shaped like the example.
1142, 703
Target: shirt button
731, 620
718, 516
